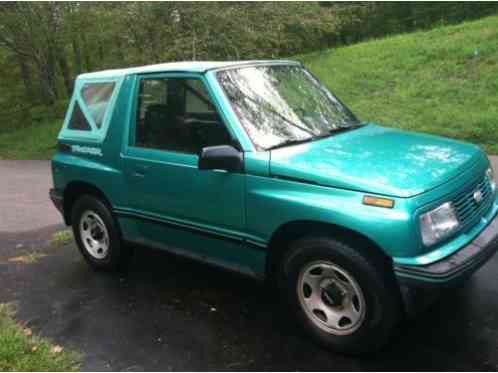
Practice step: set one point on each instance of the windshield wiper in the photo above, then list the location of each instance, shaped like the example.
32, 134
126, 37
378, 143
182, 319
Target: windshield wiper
337, 130
290, 142
329, 133
267, 106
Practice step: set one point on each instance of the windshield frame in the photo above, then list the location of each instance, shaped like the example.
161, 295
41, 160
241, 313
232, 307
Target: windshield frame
319, 85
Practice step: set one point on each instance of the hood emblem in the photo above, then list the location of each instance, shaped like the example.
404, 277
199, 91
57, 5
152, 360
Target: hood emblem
477, 196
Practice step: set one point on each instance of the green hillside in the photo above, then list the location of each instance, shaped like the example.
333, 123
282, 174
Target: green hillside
443, 81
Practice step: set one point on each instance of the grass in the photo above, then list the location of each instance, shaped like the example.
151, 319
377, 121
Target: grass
58, 239
61, 238
29, 258
443, 81
31, 142
20, 350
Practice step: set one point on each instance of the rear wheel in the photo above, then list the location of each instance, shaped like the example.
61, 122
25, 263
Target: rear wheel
94, 235
97, 234
345, 300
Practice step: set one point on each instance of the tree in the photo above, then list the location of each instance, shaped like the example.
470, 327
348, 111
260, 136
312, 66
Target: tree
48, 44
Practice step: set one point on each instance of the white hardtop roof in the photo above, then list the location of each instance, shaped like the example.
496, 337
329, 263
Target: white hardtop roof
185, 66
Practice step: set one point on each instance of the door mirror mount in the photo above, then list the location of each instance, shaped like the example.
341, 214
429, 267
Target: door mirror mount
222, 157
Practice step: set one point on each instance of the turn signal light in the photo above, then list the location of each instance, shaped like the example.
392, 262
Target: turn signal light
379, 202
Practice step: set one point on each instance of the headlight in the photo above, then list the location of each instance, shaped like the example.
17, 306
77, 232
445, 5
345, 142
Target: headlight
438, 224
492, 179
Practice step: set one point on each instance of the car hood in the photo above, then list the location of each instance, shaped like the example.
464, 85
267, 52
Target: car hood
377, 160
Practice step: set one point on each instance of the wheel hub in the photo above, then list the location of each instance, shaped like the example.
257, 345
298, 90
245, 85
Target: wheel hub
97, 233
333, 293
94, 235
331, 297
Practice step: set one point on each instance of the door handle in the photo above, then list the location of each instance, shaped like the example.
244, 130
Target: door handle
138, 174
140, 171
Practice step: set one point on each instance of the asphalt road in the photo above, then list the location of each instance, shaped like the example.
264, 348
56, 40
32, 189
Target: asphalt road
494, 162
167, 313
24, 202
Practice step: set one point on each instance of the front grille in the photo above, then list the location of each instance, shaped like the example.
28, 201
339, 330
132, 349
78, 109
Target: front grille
468, 210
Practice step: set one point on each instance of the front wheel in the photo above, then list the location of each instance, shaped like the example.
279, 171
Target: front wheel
331, 297
97, 234
345, 300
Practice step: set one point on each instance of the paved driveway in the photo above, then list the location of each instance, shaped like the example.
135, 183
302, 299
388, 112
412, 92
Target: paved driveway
168, 313
24, 202
494, 162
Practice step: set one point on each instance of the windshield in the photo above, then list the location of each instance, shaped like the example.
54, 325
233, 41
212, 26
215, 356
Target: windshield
283, 104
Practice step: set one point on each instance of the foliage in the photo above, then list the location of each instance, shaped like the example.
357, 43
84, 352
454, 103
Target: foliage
43, 46
21, 351
37, 141
61, 238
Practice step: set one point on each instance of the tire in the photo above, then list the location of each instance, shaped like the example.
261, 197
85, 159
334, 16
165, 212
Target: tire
344, 300
97, 234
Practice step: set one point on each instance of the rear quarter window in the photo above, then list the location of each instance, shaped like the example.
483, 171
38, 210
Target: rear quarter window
78, 120
91, 107
96, 97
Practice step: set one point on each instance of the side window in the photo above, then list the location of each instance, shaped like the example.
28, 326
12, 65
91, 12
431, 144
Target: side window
96, 97
196, 99
176, 114
152, 93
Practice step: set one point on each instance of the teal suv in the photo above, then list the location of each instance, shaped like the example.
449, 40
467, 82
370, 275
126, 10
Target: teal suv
257, 168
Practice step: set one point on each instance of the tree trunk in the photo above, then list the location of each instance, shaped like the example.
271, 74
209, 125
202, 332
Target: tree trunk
86, 53
119, 52
66, 73
101, 53
77, 54
51, 72
26, 77
45, 89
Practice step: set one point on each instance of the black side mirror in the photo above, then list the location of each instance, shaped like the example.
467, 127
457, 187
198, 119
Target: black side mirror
222, 157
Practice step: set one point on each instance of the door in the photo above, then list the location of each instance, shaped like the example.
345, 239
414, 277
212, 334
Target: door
173, 202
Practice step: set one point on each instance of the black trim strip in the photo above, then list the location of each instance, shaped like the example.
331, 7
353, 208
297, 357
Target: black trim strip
256, 245
63, 148
57, 199
193, 229
241, 270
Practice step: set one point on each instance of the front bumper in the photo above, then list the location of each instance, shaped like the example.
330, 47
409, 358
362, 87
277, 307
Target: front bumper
57, 199
456, 267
